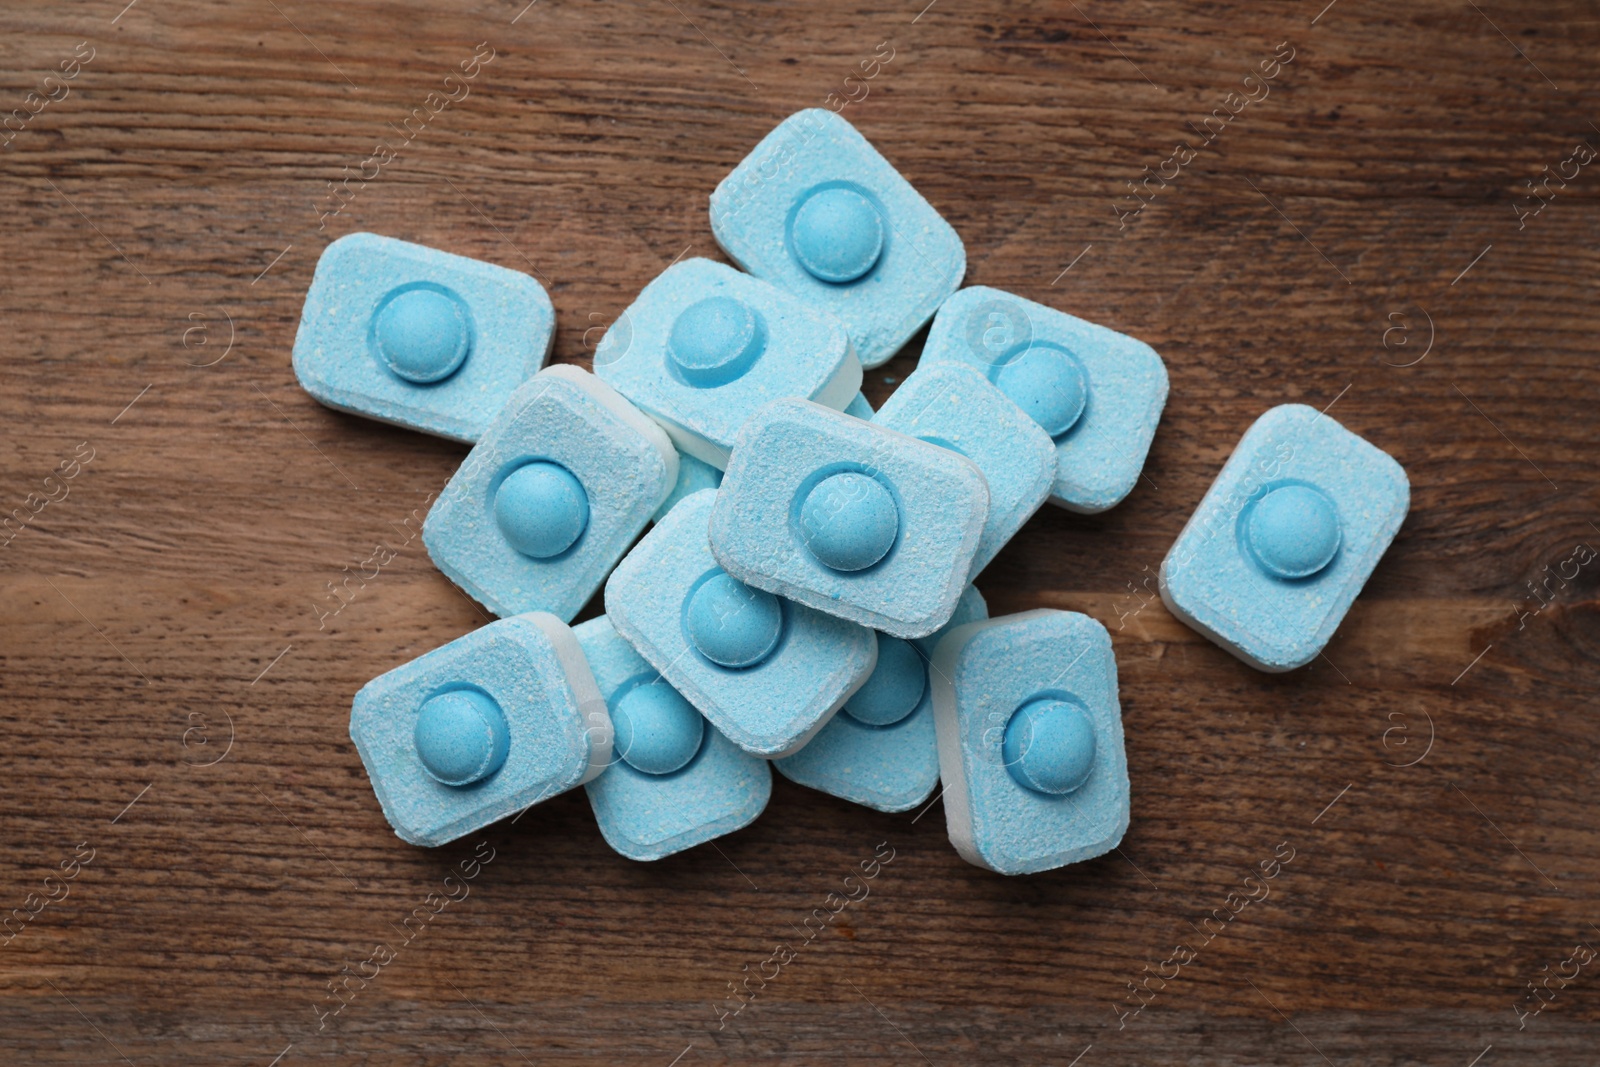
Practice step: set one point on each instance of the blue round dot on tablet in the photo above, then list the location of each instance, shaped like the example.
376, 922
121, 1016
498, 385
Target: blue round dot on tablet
895, 687
732, 624
657, 731
422, 334
1293, 531
715, 340
837, 234
461, 737
1049, 384
541, 509
1049, 746
849, 521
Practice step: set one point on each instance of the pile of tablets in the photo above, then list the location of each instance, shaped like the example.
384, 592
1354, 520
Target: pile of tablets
804, 599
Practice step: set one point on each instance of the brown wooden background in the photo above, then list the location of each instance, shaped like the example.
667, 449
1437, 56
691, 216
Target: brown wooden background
165, 607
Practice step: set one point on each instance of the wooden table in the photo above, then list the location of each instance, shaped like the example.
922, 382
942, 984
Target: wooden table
1361, 236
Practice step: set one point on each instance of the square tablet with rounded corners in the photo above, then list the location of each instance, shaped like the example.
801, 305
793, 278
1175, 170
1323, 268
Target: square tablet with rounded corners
417, 337
673, 780
1096, 392
880, 750
543, 507
1285, 538
767, 672
704, 346
955, 407
815, 209
487, 725
849, 518
1030, 741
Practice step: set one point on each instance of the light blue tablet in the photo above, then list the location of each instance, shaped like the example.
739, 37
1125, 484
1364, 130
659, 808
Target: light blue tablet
955, 407
420, 338
544, 506
849, 518
880, 750
1285, 538
766, 672
673, 780
704, 346
485, 726
816, 210
1030, 741
1096, 392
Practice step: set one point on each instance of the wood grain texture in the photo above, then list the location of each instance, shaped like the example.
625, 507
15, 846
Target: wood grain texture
161, 614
